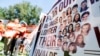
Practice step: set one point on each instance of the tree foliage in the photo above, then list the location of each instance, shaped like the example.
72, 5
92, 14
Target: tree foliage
24, 11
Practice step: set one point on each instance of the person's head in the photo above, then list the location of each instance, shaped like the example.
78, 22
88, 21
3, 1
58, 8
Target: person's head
65, 38
23, 24
80, 40
64, 46
84, 4
64, 22
64, 31
50, 54
85, 16
69, 19
70, 28
71, 37
64, 14
55, 28
74, 8
69, 11
77, 18
86, 28
60, 32
16, 20
72, 48
59, 42
0, 21
77, 27
60, 19
54, 37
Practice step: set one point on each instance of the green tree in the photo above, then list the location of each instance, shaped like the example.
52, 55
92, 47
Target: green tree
2, 13
24, 11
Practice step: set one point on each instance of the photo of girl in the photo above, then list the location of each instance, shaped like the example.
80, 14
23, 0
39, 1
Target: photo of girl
80, 41
53, 40
64, 32
77, 27
77, 18
69, 11
65, 22
84, 6
61, 27
69, 19
70, 28
72, 48
85, 29
65, 46
60, 35
59, 42
71, 37
64, 15
60, 19
65, 38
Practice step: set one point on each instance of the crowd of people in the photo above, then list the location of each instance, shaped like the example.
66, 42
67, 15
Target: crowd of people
14, 36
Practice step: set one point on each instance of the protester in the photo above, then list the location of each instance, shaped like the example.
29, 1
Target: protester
2, 29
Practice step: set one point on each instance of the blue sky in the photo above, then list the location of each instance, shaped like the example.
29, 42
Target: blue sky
44, 4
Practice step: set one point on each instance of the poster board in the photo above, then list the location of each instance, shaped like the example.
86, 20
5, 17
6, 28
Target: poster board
72, 27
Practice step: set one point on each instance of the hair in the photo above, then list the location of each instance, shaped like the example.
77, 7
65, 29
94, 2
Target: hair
65, 35
76, 5
67, 10
60, 31
60, 39
75, 48
87, 12
78, 18
78, 44
69, 27
0, 21
88, 25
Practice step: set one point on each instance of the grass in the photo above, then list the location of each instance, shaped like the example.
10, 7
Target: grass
20, 54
